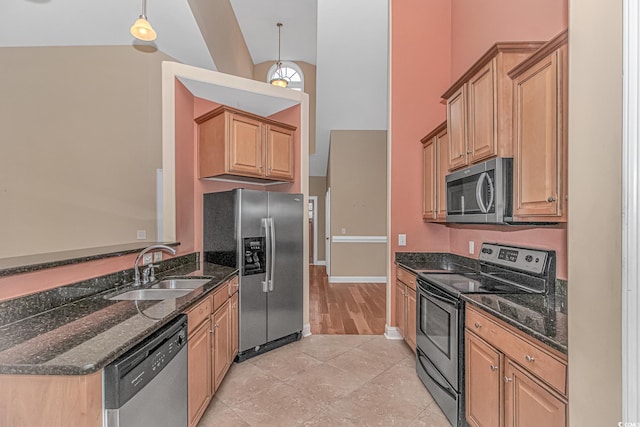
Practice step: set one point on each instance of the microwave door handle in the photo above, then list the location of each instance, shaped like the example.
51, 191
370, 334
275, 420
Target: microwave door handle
484, 207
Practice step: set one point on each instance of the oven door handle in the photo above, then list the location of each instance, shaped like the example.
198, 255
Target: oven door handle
453, 302
429, 371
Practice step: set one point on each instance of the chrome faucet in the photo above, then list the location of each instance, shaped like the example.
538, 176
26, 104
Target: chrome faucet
140, 255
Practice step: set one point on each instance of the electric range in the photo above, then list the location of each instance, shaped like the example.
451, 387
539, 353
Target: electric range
440, 314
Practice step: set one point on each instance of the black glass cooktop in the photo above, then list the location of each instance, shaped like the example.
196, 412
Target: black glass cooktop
470, 283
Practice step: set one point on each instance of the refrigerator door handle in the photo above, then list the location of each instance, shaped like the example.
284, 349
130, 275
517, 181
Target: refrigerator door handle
272, 257
265, 283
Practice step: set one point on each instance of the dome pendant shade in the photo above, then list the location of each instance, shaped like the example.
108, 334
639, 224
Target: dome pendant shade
279, 79
142, 30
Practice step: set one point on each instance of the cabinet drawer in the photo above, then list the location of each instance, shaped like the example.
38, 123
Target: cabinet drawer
199, 313
233, 285
220, 295
520, 349
407, 278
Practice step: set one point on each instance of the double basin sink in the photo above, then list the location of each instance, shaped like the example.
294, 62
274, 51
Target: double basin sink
170, 288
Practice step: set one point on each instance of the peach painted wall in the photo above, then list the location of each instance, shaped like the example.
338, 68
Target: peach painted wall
476, 25
420, 57
420, 52
189, 189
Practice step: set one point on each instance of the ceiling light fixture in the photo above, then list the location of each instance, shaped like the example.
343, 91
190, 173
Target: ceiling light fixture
141, 29
279, 79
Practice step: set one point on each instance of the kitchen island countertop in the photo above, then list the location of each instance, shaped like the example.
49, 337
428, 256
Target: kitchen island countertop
84, 336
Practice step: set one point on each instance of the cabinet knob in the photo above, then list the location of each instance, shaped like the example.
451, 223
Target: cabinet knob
460, 156
477, 325
507, 379
494, 368
529, 359
551, 199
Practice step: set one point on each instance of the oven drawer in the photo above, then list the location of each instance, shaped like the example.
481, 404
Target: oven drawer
406, 277
519, 348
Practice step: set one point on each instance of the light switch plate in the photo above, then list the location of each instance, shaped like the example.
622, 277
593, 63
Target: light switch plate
402, 240
141, 234
472, 247
147, 259
157, 256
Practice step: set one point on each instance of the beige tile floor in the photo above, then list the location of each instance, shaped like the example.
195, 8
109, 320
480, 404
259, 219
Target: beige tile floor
326, 380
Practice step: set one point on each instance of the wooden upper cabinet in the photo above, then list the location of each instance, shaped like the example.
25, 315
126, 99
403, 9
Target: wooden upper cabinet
442, 168
435, 167
457, 128
234, 143
279, 153
244, 145
479, 106
428, 179
540, 134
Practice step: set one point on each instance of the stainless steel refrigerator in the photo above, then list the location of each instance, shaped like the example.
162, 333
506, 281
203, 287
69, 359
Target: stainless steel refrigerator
260, 233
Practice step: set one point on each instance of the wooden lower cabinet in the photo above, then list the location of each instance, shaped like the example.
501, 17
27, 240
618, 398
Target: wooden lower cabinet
200, 391
529, 402
482, 378
213, 344
234, 323
51, 400
221, 345
504, 389
406, 306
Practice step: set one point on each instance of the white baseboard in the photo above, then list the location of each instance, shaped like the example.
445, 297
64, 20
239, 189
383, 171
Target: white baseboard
306, 330
357, 279
392, 333
320, 263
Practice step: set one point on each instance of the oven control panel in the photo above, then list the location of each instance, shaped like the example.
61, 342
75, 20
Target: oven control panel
530, 260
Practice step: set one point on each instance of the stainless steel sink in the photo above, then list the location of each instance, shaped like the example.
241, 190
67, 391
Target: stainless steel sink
152, 294
180, 283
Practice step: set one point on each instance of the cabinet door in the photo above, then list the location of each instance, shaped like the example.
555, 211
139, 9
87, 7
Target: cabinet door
221, 350
428, 180
400, 308
538, 151
199, 372
279, 153
482, 377
457, 128
410, 309
530, 403
482, 140
245, 145
442, 167
234, 325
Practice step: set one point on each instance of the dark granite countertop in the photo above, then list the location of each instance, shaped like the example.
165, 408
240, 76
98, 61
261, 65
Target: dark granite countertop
83, 336
435, 261
30, 263
543, 317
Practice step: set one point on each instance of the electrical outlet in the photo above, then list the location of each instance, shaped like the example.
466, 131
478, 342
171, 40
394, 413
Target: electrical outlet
344, 231
472, 247
147, 259
157, 256
402, 240
141, 234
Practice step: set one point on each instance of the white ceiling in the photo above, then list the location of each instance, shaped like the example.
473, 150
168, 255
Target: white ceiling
107, 22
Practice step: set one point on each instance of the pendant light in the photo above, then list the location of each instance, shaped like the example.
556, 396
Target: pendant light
279, 79
141, 29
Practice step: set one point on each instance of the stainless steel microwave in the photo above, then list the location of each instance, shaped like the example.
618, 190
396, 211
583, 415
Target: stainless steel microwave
482, 193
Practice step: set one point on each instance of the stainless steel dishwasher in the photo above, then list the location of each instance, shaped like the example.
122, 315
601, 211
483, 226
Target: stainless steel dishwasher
147, 386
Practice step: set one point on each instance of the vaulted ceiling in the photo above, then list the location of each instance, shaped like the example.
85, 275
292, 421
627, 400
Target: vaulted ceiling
107, 22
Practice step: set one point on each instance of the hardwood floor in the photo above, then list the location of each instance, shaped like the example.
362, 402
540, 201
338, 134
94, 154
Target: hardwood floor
345, 308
